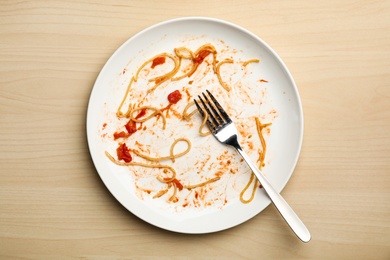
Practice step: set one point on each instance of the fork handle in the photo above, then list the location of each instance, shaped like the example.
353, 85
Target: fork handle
281, 205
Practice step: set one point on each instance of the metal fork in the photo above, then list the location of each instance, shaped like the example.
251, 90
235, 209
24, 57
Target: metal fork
224, 130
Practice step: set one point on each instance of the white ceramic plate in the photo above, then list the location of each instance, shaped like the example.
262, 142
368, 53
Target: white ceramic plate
283, 142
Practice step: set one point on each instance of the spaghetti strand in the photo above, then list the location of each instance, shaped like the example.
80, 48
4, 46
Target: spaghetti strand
141, 120
190, 187
156, 166
218, 71
171, 155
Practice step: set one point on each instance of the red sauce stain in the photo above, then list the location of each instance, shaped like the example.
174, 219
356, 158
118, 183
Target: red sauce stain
218, 174
188, 94
166, 108
141, 113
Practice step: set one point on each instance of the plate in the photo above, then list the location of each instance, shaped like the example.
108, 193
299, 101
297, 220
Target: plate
264, 88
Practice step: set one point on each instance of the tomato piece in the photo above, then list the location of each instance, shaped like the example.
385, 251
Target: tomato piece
174, 97
158, 61
201, 56
122, 134
178, 184
131, 127
123, 153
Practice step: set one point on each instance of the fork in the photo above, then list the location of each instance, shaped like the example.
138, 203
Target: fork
224, 130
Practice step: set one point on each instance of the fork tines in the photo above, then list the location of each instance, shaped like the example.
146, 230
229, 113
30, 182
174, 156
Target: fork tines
216, 115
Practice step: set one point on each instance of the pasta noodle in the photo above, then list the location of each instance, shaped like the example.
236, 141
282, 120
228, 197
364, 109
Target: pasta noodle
160, 193
218, 71
156, 112
190, 187
160, 79
173, 197
259, 127
119, 113
187, 115
158, 166
182, 56
250, 61
201, 53
245, 201
203, 124
171, 156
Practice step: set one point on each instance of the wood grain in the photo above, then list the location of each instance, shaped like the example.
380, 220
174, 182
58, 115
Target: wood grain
52, 202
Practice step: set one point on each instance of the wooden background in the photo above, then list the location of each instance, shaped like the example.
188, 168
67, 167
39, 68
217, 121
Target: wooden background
54, 205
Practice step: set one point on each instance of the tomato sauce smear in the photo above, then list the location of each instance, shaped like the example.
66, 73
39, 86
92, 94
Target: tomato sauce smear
158, 61
141, 114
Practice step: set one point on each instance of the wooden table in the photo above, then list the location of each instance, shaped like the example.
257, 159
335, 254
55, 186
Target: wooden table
53, 203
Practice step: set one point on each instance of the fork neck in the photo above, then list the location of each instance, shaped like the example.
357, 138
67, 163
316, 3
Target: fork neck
233, 141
